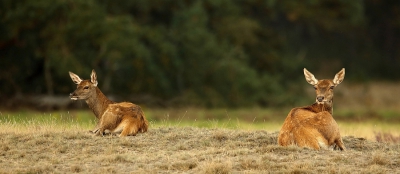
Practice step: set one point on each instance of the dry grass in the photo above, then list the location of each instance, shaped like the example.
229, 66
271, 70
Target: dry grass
387, 137
48, 148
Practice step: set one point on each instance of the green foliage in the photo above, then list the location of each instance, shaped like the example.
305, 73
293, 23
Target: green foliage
212, 53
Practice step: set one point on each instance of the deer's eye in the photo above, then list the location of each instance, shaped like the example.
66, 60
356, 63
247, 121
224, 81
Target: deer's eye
315, 87
86, 87
332, 87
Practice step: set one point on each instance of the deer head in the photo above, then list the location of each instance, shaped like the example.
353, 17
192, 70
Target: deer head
324, 88
85, 89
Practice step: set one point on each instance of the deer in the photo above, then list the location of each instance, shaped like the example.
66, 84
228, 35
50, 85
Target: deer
125, 118
313, 126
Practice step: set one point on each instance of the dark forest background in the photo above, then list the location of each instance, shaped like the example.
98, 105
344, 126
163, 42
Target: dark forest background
207, 53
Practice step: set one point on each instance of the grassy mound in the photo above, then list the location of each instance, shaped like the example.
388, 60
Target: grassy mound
41, 149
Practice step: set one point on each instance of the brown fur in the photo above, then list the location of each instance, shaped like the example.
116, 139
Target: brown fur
124, 118
313, 126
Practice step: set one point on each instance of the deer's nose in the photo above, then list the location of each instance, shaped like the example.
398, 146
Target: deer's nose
320, 98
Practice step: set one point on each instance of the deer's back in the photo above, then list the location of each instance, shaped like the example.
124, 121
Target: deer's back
124, 114
304, 125
125, 109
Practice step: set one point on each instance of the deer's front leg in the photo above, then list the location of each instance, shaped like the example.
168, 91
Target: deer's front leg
100, 132
96, 129
100, 128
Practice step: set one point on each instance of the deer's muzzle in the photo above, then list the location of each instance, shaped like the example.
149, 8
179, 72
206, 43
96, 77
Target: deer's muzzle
320, 98
73, 96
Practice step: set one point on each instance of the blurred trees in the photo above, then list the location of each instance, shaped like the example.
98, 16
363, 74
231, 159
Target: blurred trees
211, 53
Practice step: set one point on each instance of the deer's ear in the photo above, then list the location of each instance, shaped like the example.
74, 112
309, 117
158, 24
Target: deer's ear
310, 77
93, 78
75, 78
339, 77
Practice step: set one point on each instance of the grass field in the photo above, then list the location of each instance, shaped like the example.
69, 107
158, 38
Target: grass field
351, 124
186, 141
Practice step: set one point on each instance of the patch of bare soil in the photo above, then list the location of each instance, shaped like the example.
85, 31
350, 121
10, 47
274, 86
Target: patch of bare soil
186, 150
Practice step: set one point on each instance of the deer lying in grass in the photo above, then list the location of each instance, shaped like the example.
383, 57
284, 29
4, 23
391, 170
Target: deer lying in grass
124, 118
313, 126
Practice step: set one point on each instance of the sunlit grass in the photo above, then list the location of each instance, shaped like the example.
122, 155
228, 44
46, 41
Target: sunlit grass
380, 115
242, 119
29, 121
368, 129
81, 117
224, 123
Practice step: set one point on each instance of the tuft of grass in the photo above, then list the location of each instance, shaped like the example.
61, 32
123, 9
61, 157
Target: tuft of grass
386, 137
278, 149
217, 168
184, 165
379, 159
76, 169
220, 136
62, 149
118, 159
250, 164
38, 169
5, 148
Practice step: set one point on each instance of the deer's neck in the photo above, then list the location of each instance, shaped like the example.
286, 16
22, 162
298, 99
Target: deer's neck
98, 103
322, 107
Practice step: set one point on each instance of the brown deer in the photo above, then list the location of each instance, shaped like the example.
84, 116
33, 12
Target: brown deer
124, 118
313, 126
